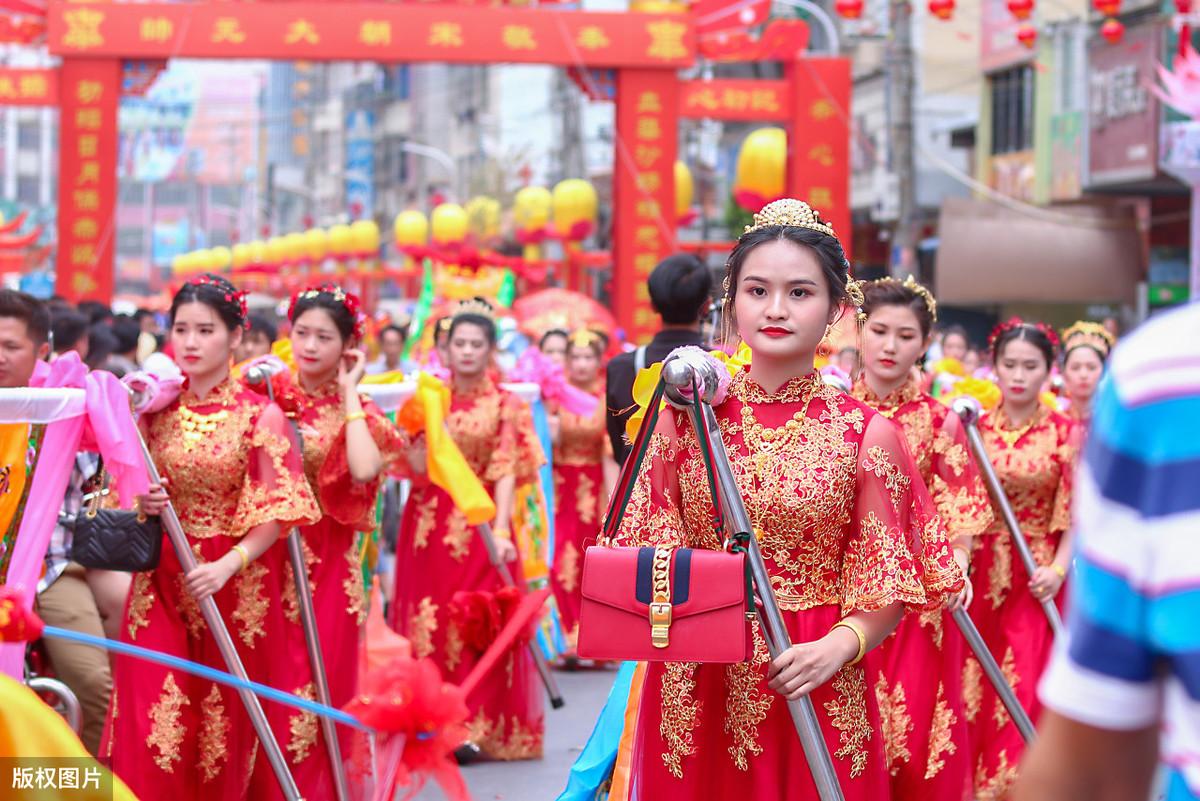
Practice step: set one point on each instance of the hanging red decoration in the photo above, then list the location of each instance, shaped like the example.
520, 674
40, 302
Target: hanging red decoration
1027, 35
1113, 30
849, 9
1108, 8
1021, 9
942, 9
1183, 6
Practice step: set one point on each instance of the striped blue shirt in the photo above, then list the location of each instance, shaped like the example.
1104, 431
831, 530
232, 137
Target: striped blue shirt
1132, 655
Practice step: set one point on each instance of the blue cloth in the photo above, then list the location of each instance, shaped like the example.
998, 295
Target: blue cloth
595, 765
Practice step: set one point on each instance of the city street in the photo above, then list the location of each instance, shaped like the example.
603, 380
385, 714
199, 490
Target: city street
567, 730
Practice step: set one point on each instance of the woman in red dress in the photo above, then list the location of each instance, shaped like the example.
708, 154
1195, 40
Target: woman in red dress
841, 516
449, 599
1085, 350
1032, 450
584, 473
919, 685
346, 442
236, 482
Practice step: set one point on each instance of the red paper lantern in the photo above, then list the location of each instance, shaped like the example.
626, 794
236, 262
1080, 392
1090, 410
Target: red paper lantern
1109, 8
942, 9
1113, 31
849, 9
1021, 9
1183, 6
1027, 35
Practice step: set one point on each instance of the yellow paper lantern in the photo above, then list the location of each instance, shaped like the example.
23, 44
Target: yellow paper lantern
761, 169
241, 255
575, 205
684, 190
219, 259
364, 238
449, 224
276, 251
180, 264
293, 248
340, 241
316, 245
658, 7
198, 260
411, 229
258, 253
531, 213
483, 217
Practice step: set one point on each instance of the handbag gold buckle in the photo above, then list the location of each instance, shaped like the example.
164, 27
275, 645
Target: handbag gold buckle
660, 609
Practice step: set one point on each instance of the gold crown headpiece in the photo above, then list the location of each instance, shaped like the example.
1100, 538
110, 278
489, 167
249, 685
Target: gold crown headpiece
476, 306
584, 338
793, 213
1088, 334
919, 290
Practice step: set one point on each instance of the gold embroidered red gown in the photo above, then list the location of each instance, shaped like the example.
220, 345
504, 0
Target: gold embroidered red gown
334, 573
583, 445
1035, 465
231, 468
919, 680
829, 485
449, 600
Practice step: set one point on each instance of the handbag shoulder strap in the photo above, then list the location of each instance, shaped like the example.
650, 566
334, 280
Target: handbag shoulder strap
639, 359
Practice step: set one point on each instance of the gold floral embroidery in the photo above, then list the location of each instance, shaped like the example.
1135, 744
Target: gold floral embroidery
421, 626
458, 535
680, 714
506, 739
214, 733
291, 607
1009, 668
746, 705
875, 576
934, 619
189, 610
940, 741
972, 687
141, 598
1035, 471
302, 727
965, 510
454, 645
879, 462
956, 458
352, 585
494, 430
581, 440
1000, 572
848, 714
585, 499
895, 722
425, 524
568, 568
167, 730
998, 785
252, 603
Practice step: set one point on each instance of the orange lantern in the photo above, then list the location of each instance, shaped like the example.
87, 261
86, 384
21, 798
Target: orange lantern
1107, 8
531, 213
1113, 30
849, 9
1027, 35
411, 229
761, 169
1021, 9
942, 9
575, 205
449, 224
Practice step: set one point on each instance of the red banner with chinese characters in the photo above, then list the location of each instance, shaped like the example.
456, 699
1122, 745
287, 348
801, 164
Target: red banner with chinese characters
28, 87
819, 139
643, 192
736, 99
87, 179
370, 31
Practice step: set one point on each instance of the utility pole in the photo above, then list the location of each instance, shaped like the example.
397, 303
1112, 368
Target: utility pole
903, 161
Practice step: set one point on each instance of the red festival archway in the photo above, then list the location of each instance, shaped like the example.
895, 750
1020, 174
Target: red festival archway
646, 51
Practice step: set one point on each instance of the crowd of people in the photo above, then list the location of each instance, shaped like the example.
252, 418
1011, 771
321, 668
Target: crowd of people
870, 510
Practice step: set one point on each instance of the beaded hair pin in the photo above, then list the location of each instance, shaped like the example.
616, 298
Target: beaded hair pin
348, 299
476, 306
231, 294
1088, 334
1014, 323
920, 291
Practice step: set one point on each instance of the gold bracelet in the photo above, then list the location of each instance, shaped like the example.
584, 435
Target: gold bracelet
359, 415
502, 534
242, 552
857, 628
1059, 569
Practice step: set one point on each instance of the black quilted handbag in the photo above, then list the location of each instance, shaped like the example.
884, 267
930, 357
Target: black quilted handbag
115, 539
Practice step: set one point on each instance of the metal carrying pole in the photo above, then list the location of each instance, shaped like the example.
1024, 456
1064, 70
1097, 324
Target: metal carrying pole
995, 675
968, 411
489, 542
679, 374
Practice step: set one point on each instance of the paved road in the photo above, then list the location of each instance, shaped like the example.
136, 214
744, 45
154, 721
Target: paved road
567, 729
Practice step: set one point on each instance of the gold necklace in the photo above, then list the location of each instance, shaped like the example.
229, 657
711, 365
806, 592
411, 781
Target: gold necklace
196, 426
764, 445
1013, 435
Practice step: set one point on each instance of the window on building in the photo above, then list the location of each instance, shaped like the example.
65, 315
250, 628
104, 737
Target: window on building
131, 192
226, 195
29, 136
29, 190
131, 241
1012, 110
167, 193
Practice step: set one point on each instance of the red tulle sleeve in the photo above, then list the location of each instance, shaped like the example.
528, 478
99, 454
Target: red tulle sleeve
351, 502
275, 488
518, 452
956, 486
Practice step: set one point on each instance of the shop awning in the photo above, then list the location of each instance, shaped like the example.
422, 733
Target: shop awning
989, 253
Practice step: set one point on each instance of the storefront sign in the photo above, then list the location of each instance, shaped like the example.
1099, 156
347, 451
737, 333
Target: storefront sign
1122, 114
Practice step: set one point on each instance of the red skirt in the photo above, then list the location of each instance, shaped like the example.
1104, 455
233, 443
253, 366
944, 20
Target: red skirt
717, 731
449, 604
577, 490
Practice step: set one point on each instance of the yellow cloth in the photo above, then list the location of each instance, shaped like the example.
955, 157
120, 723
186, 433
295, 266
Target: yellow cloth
393, 377
30, 729
282, 349
14, 445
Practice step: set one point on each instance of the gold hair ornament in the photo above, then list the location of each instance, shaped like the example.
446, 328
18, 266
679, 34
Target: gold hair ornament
584, 338
1088, 334
793, 213
476, 306
919, 290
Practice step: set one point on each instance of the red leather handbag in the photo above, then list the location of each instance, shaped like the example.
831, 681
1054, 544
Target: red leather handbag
662, 604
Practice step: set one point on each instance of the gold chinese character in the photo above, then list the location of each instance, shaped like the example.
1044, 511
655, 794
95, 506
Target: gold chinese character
644, 263
641, 292
646, 156
87, 118
650, 181
82, 283
301, 31
646, 237
87, 146
666, 40
649, 129
821, 110
89, 173
89, 92
6, 87
822, 154
87, 200
445, 34
764, 100
83, 254
518, 37
85, 228
705, 99
735, 99
228, 29
375, 32
156, 29
649, 103
820, 198
592, 37
643, 318
83, 28
33, 86
648, 209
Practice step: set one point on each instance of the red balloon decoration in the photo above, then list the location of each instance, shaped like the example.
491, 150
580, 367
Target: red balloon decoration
1021, 9
849, 9
1027, 35
1113, 30
942, 9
